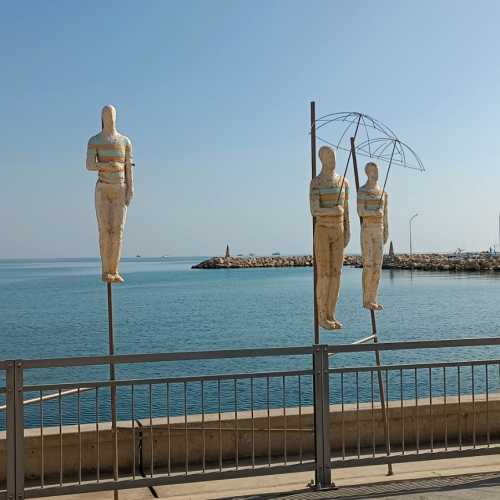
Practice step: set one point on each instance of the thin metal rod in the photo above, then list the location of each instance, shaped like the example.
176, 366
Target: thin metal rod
488, 440
348, 159
342, 413
355, 164
79, 439
358, 429
253, 421
313, 175
430, 411
382, 395
388, 170
151, 437
61, 459
445, 411
203, 437
114, 432
417, 420
366, 339
459, 409
401, 399
300, 420
49, 397
132, 403
473, 408
42, 451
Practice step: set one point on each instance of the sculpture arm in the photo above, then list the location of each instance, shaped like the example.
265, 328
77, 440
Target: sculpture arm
129, 172
91, 162
347, 224
386, 220
314, 201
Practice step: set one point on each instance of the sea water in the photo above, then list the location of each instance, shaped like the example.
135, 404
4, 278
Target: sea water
58, 308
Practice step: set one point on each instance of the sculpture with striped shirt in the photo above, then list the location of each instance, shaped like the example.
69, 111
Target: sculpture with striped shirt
372, 210
329, 203
110, 154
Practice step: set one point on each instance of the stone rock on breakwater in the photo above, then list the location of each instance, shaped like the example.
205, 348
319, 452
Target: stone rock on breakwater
424, 262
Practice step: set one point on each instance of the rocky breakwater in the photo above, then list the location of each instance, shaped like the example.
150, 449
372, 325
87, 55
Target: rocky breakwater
437, 262
250, 262
423, 262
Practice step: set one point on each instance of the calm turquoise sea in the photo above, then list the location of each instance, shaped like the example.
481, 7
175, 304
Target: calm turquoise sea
53, 308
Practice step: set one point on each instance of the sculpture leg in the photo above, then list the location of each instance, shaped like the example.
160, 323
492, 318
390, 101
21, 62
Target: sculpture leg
372, 248
103, 212
118, 215
322, 254
336, 260
378, 256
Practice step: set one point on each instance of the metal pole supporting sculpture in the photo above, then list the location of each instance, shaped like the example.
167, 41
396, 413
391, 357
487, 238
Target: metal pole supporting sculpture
110, 154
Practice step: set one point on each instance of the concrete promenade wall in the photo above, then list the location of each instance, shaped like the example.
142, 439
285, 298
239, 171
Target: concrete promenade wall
298, 436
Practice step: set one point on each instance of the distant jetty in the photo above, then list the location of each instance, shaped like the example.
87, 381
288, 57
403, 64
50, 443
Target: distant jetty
251, 261
424, 262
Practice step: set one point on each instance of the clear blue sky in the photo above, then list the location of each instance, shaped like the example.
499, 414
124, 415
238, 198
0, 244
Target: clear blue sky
215, 97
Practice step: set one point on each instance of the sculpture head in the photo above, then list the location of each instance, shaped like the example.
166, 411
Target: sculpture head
108, 117
371, 170
327, 158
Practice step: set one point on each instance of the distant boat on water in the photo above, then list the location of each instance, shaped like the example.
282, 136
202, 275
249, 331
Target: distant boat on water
138, 256
275, 254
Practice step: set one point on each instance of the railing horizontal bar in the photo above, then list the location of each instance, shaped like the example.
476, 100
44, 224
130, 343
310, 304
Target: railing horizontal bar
338, 463
172, 380
166, 480
410, 366
417, 344
255, 353
169, 356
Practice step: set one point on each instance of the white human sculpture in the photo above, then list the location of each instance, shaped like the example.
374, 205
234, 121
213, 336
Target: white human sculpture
329, 203
372, 209
110, 154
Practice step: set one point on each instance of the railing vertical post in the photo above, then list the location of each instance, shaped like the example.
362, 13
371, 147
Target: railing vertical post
323, 477
19, 429
11, 430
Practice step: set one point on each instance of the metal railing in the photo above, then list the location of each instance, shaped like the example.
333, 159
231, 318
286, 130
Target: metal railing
318, 416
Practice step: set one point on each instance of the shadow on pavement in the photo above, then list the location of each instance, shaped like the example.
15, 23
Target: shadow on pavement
466, 486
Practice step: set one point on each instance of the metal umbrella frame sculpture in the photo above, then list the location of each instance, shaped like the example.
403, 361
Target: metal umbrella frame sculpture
378, 142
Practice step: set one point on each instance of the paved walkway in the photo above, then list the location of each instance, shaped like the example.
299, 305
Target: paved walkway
460, 478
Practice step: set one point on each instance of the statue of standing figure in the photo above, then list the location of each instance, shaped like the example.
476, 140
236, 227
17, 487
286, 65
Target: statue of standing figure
110, 154
372, 209
329, 202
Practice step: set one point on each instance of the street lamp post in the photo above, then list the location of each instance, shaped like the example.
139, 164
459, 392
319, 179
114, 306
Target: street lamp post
411, 249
